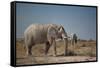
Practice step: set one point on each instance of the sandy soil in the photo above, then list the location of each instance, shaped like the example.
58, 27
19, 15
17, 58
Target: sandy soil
60, 59
84, 51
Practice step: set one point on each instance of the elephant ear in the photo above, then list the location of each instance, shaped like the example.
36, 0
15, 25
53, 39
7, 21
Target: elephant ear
61, 29
62, 32
52, 32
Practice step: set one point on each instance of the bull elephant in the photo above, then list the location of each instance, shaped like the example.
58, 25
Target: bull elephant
43, 33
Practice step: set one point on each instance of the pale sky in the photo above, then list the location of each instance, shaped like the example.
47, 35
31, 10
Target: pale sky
75, 19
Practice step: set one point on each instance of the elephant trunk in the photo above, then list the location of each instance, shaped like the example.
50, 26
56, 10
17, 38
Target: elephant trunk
66, 46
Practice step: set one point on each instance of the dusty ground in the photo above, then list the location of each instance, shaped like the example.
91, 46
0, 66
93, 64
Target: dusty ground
83, 51
62, 59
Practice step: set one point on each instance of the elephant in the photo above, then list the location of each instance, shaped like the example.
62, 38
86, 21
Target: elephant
44, 33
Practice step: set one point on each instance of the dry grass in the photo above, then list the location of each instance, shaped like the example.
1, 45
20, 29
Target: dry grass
82, 48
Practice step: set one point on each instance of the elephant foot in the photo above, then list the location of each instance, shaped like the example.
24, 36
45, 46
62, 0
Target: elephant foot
66, 54
29, 55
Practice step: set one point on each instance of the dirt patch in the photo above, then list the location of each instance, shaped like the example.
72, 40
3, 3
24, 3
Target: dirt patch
83, 51
45, 60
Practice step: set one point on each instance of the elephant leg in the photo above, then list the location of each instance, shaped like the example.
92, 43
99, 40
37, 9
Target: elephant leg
47, 47
54, 42
29, 50
66, 46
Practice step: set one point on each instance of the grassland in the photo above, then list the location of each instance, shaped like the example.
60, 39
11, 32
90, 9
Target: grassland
83, 51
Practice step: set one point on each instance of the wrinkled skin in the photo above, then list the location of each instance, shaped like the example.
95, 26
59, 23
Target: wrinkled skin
43, 33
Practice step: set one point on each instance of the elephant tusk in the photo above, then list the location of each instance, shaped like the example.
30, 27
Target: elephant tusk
63, 35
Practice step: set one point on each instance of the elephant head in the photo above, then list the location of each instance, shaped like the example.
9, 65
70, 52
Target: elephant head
57, 32
61, 33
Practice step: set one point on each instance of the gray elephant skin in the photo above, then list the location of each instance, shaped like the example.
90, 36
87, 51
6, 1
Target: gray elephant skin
44, 33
